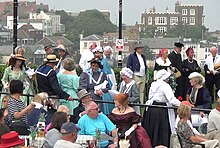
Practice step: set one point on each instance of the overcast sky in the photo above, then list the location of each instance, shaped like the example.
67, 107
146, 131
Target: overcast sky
132, 8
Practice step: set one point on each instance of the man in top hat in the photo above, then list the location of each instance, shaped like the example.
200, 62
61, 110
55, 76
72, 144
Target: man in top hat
212, 71
87, 56
79, 111
48, 49
47, 79
137, 63
69, 135
176, 62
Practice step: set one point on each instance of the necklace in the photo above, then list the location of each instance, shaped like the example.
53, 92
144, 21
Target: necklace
122, 111
190, 61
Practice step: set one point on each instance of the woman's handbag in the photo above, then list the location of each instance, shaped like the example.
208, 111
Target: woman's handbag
177, 73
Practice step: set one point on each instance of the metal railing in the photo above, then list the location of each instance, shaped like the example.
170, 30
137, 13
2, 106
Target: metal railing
111, 102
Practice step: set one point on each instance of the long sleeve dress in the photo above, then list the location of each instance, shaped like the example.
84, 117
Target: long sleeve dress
160, 122
138, 138
10, 75
88, 80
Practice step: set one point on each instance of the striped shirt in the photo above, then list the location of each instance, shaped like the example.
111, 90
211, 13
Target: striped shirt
14, 106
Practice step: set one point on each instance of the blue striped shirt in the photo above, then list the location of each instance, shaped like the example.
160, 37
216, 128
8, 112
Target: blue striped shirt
14, 106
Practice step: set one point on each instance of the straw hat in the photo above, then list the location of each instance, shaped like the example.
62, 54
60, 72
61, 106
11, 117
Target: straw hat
51, 58
19, 57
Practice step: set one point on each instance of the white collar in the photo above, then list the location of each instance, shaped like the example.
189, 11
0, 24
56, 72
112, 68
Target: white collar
160, 62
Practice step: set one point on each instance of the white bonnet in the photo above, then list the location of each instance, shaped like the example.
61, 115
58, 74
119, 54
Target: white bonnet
126, 71
162, 75
97, 49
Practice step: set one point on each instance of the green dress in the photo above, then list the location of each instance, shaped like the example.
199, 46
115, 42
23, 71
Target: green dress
10, 75
69, 83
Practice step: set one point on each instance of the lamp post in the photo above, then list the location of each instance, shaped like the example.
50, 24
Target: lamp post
15, 22
120, 33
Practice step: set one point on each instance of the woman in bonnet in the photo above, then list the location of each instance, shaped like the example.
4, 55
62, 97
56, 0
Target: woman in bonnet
160, 122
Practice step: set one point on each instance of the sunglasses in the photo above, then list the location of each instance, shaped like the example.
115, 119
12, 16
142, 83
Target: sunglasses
95, 109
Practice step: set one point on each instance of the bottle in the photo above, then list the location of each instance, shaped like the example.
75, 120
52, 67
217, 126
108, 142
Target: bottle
41, 131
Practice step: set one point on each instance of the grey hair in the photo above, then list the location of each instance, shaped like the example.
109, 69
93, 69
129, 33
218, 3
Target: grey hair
68, 64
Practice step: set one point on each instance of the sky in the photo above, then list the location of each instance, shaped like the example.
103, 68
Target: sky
132, 9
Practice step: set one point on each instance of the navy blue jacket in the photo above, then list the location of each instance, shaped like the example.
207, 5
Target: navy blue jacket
134, 64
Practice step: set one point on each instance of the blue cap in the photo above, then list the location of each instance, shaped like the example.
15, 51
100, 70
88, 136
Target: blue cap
69, 127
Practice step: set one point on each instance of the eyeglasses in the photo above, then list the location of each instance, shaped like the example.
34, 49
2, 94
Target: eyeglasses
4, 101
95, 109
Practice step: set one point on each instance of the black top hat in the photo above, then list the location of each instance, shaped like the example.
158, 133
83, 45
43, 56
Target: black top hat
178, 44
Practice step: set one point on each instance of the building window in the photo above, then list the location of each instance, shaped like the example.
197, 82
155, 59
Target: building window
150, 21
160, 20
192, 12
125, 40
192, 20
184, 20
105, 40
173, 20
85, 45
184, 11
162, 29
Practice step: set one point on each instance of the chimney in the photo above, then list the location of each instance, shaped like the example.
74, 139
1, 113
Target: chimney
154, 10
167, 10
81, 36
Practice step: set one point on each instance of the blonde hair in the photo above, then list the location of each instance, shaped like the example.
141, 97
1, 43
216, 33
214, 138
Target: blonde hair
184, 111
63, 108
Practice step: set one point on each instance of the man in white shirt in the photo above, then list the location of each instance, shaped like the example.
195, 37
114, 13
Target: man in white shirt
69, 135
212, 71
137, 63
87, 56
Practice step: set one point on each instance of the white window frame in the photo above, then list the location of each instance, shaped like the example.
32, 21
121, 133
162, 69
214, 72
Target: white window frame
162, 29
160, 20
192, 12
150, 21
192, 20
173, 20
184, 20
184, 11
85, 44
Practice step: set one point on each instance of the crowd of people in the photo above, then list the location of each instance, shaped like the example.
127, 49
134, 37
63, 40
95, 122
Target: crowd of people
65, 99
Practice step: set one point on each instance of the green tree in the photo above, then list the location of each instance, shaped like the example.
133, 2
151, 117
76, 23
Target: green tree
149, 32
89, 22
